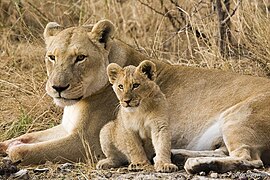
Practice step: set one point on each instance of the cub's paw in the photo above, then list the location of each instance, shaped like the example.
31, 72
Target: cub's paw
137, 166
165, 167
105, 164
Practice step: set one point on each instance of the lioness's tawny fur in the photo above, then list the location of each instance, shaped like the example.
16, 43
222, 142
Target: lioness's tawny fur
142, 122
221, 119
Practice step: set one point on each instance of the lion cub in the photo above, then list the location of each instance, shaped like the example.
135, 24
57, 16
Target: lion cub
142, 121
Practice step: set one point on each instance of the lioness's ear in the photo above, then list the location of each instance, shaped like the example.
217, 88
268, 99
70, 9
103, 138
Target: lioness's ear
113, 70
51, 29
102, 31
148, 68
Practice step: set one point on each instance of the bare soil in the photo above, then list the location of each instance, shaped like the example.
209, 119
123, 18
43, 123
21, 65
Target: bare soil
82, 171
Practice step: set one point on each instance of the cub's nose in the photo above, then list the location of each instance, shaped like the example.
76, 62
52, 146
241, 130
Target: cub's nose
60, 89
127, 101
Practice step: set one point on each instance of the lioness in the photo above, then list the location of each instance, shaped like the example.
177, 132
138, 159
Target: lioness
143, 116
213, 113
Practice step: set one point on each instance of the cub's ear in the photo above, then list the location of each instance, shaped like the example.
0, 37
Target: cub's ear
148, 68
113, 70
51, 29
102, 31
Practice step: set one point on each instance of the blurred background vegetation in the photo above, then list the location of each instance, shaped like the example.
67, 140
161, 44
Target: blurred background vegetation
231, 35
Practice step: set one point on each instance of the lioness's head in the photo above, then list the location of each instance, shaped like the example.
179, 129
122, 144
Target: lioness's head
132, 84
76, 60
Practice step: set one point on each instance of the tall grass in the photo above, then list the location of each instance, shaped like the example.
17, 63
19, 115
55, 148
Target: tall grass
158, 28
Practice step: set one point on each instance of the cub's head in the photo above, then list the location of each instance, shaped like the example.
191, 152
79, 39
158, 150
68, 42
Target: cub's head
132, 84
76, 60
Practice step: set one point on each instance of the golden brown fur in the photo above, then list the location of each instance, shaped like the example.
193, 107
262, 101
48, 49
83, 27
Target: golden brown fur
143, 120
221, 119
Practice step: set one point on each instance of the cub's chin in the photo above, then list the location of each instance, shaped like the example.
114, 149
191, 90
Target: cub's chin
130, 109
62, 102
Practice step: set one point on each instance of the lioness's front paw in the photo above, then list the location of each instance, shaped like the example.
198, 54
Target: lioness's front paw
137, 166
3, 147
18, 152
105, 164
165, 167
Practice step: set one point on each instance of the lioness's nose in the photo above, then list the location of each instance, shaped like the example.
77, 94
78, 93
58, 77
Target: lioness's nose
60, 88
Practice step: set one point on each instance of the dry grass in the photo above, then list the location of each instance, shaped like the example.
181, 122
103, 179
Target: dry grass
24, 104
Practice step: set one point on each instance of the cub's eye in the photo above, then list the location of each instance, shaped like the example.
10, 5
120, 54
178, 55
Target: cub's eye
80, 58
135, 85
120, 86
52, 57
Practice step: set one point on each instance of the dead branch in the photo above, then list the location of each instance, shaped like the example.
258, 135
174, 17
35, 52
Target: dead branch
233, 12
150, 7
224, 40
175, 21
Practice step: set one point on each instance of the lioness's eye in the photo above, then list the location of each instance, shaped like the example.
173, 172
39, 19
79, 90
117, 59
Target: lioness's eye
80, 58
120, 86
135, 85
52, 57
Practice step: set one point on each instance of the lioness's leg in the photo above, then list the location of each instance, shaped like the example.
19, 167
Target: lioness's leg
185, 154
242, 158
180, 156
34, 137
246, 135
222, 164
69, 148
162, 145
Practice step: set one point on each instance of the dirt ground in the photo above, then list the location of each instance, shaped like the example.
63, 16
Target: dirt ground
84, 171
